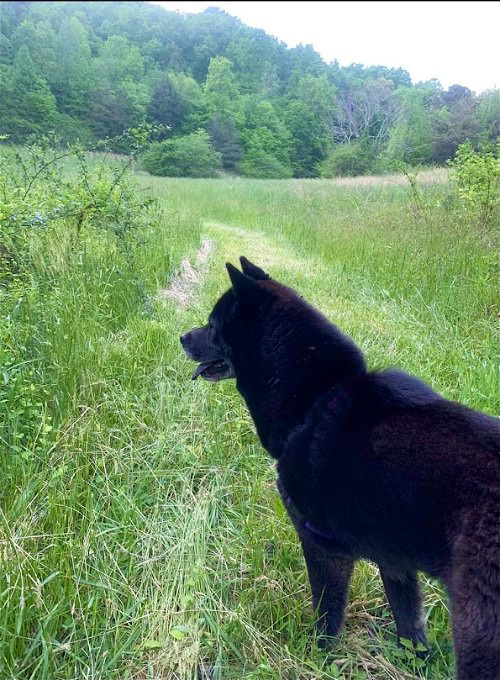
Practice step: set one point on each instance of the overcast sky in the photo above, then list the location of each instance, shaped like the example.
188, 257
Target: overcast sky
455, 42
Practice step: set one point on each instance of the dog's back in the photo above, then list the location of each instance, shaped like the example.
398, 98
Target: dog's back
392, 470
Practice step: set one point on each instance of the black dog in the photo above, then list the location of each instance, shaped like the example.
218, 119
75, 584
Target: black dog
371, 465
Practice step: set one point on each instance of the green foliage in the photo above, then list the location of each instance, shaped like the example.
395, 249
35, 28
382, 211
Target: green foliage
307, 115
93, 222
226, 140
222, 99
455, 121
398, 76
102, 198
476, 175
256, 62
72, 78
262, 164
165, 106
489, 116
71, 130
192, 102
112, 112
188, 156
177, 102
221, 89
266, 140
27, 105
95, 70
350, 159
119, 61
41, 38
410, 139
121, 97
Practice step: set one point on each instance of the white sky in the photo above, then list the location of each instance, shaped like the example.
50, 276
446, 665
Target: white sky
455, 42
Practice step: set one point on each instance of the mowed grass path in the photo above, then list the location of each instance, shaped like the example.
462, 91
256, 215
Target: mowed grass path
153, 544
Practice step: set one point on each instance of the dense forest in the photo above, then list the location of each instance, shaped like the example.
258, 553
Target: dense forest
220, 96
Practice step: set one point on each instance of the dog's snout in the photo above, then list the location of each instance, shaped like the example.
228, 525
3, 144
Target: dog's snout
181, 338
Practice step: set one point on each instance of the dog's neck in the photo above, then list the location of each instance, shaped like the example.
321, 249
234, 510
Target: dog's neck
279, 395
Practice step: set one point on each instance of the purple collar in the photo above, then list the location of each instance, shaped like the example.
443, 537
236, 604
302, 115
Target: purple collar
288, 501
317, 531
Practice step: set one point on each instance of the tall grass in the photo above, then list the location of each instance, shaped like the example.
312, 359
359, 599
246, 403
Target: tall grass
415, 266
140, 532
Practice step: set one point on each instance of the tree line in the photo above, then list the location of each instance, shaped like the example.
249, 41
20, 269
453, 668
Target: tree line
220, 95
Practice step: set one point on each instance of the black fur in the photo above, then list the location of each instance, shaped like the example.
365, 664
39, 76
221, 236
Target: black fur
372, 465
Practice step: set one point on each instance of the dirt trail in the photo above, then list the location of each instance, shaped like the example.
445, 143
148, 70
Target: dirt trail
184, 284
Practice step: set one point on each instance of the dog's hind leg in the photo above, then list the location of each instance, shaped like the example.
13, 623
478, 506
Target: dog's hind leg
403, 593
474, 589
329, 577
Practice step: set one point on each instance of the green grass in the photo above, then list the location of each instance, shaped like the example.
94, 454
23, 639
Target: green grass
141, 535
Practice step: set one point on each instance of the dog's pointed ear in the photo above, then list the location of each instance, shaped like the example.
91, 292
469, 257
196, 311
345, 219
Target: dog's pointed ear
242, 284
252, 270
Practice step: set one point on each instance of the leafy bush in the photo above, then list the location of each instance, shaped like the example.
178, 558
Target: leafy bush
476, 175
71, 248
347, 160
187, 156
70, 131
258, 163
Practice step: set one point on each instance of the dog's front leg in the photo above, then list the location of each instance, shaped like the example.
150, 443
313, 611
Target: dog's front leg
329, 577
404, 596
329, 574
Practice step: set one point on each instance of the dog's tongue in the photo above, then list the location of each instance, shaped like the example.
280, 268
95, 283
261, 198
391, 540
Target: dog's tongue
199, 370
209, 369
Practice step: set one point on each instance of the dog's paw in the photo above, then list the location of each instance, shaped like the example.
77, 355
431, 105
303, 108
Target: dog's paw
327, 629
417, 643
325, 642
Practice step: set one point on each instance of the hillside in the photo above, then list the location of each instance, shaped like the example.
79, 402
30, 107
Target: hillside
255, 107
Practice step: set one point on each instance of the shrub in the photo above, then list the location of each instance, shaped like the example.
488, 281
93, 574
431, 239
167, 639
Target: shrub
187, 156
71, 130
258, 163
72, 250
351, 159
476, 175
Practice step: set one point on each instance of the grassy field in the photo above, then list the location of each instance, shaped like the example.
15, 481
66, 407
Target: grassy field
141, 535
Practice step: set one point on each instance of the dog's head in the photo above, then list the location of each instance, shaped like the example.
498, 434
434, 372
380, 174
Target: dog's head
212, 345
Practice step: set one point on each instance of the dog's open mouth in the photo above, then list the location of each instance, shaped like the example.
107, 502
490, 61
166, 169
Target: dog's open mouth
213, 370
